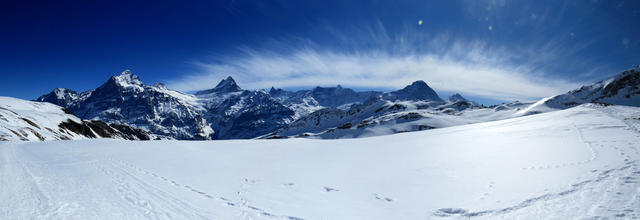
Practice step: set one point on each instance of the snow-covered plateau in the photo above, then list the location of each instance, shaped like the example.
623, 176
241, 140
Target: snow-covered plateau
581, 162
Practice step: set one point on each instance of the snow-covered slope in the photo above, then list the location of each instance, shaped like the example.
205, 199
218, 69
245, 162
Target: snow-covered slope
621, 89
579, 163
304, 102
31, 121
418, 107
379, 116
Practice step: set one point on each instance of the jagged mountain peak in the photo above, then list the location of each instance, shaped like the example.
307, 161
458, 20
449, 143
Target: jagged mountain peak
419, 83
417, 86
59, 96
126, 72
63, 92
335, 90
418, 90
456, 97
226, 85
126, 79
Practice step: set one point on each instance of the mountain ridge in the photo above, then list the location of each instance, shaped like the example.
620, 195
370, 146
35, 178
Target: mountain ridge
227, 111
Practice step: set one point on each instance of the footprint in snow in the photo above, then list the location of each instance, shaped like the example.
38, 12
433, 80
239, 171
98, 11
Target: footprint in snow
380, 197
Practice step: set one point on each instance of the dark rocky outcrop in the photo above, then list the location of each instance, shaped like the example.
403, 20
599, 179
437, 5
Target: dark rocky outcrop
96, 129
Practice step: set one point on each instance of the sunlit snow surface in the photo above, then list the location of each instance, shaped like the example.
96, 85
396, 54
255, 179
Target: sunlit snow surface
580, 162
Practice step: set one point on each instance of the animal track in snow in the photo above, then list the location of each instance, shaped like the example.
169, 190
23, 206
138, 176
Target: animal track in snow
382, 198
488, 192
587, 144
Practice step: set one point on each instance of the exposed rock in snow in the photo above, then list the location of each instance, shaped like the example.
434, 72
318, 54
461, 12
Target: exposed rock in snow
63, 97
225, 86
621, 89
38, 121
124, 99
247, 115
456, 97
304, 102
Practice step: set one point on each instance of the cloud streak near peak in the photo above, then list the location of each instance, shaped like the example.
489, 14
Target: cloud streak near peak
469, 69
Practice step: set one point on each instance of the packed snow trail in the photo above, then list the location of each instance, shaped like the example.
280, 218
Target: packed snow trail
577, 163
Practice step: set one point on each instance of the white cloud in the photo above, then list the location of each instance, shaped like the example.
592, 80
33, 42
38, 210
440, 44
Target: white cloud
470, 69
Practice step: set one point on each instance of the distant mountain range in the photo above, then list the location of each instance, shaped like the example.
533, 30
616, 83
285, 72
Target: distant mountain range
227, 111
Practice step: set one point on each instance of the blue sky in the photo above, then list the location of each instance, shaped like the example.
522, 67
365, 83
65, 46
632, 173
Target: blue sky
490, 50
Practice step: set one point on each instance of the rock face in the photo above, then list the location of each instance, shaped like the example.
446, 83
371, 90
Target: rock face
33, 121
225, 86
418, 90
304, 102
223, 112
247, 115
228, 112
63, 97
235, 113
124, 99
456, 97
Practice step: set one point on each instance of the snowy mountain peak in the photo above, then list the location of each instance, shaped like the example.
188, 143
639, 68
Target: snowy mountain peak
273, 90
62, 93
59, 96
126, 72
456, 97
127, 79
418, 90
224, 86
420, 83
228, 85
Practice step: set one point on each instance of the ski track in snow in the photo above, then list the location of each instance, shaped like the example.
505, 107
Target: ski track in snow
247, 211
18, 181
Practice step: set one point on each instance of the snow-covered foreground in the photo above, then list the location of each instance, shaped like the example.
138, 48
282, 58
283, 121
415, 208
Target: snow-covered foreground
580, 162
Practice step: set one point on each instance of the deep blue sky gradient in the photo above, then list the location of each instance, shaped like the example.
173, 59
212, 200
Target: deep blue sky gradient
79, 44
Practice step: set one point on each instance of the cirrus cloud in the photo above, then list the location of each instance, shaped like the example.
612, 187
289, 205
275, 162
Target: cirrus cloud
468, 68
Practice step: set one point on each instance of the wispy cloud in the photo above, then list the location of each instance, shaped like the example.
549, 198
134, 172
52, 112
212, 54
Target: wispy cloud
371, 56
467, 68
